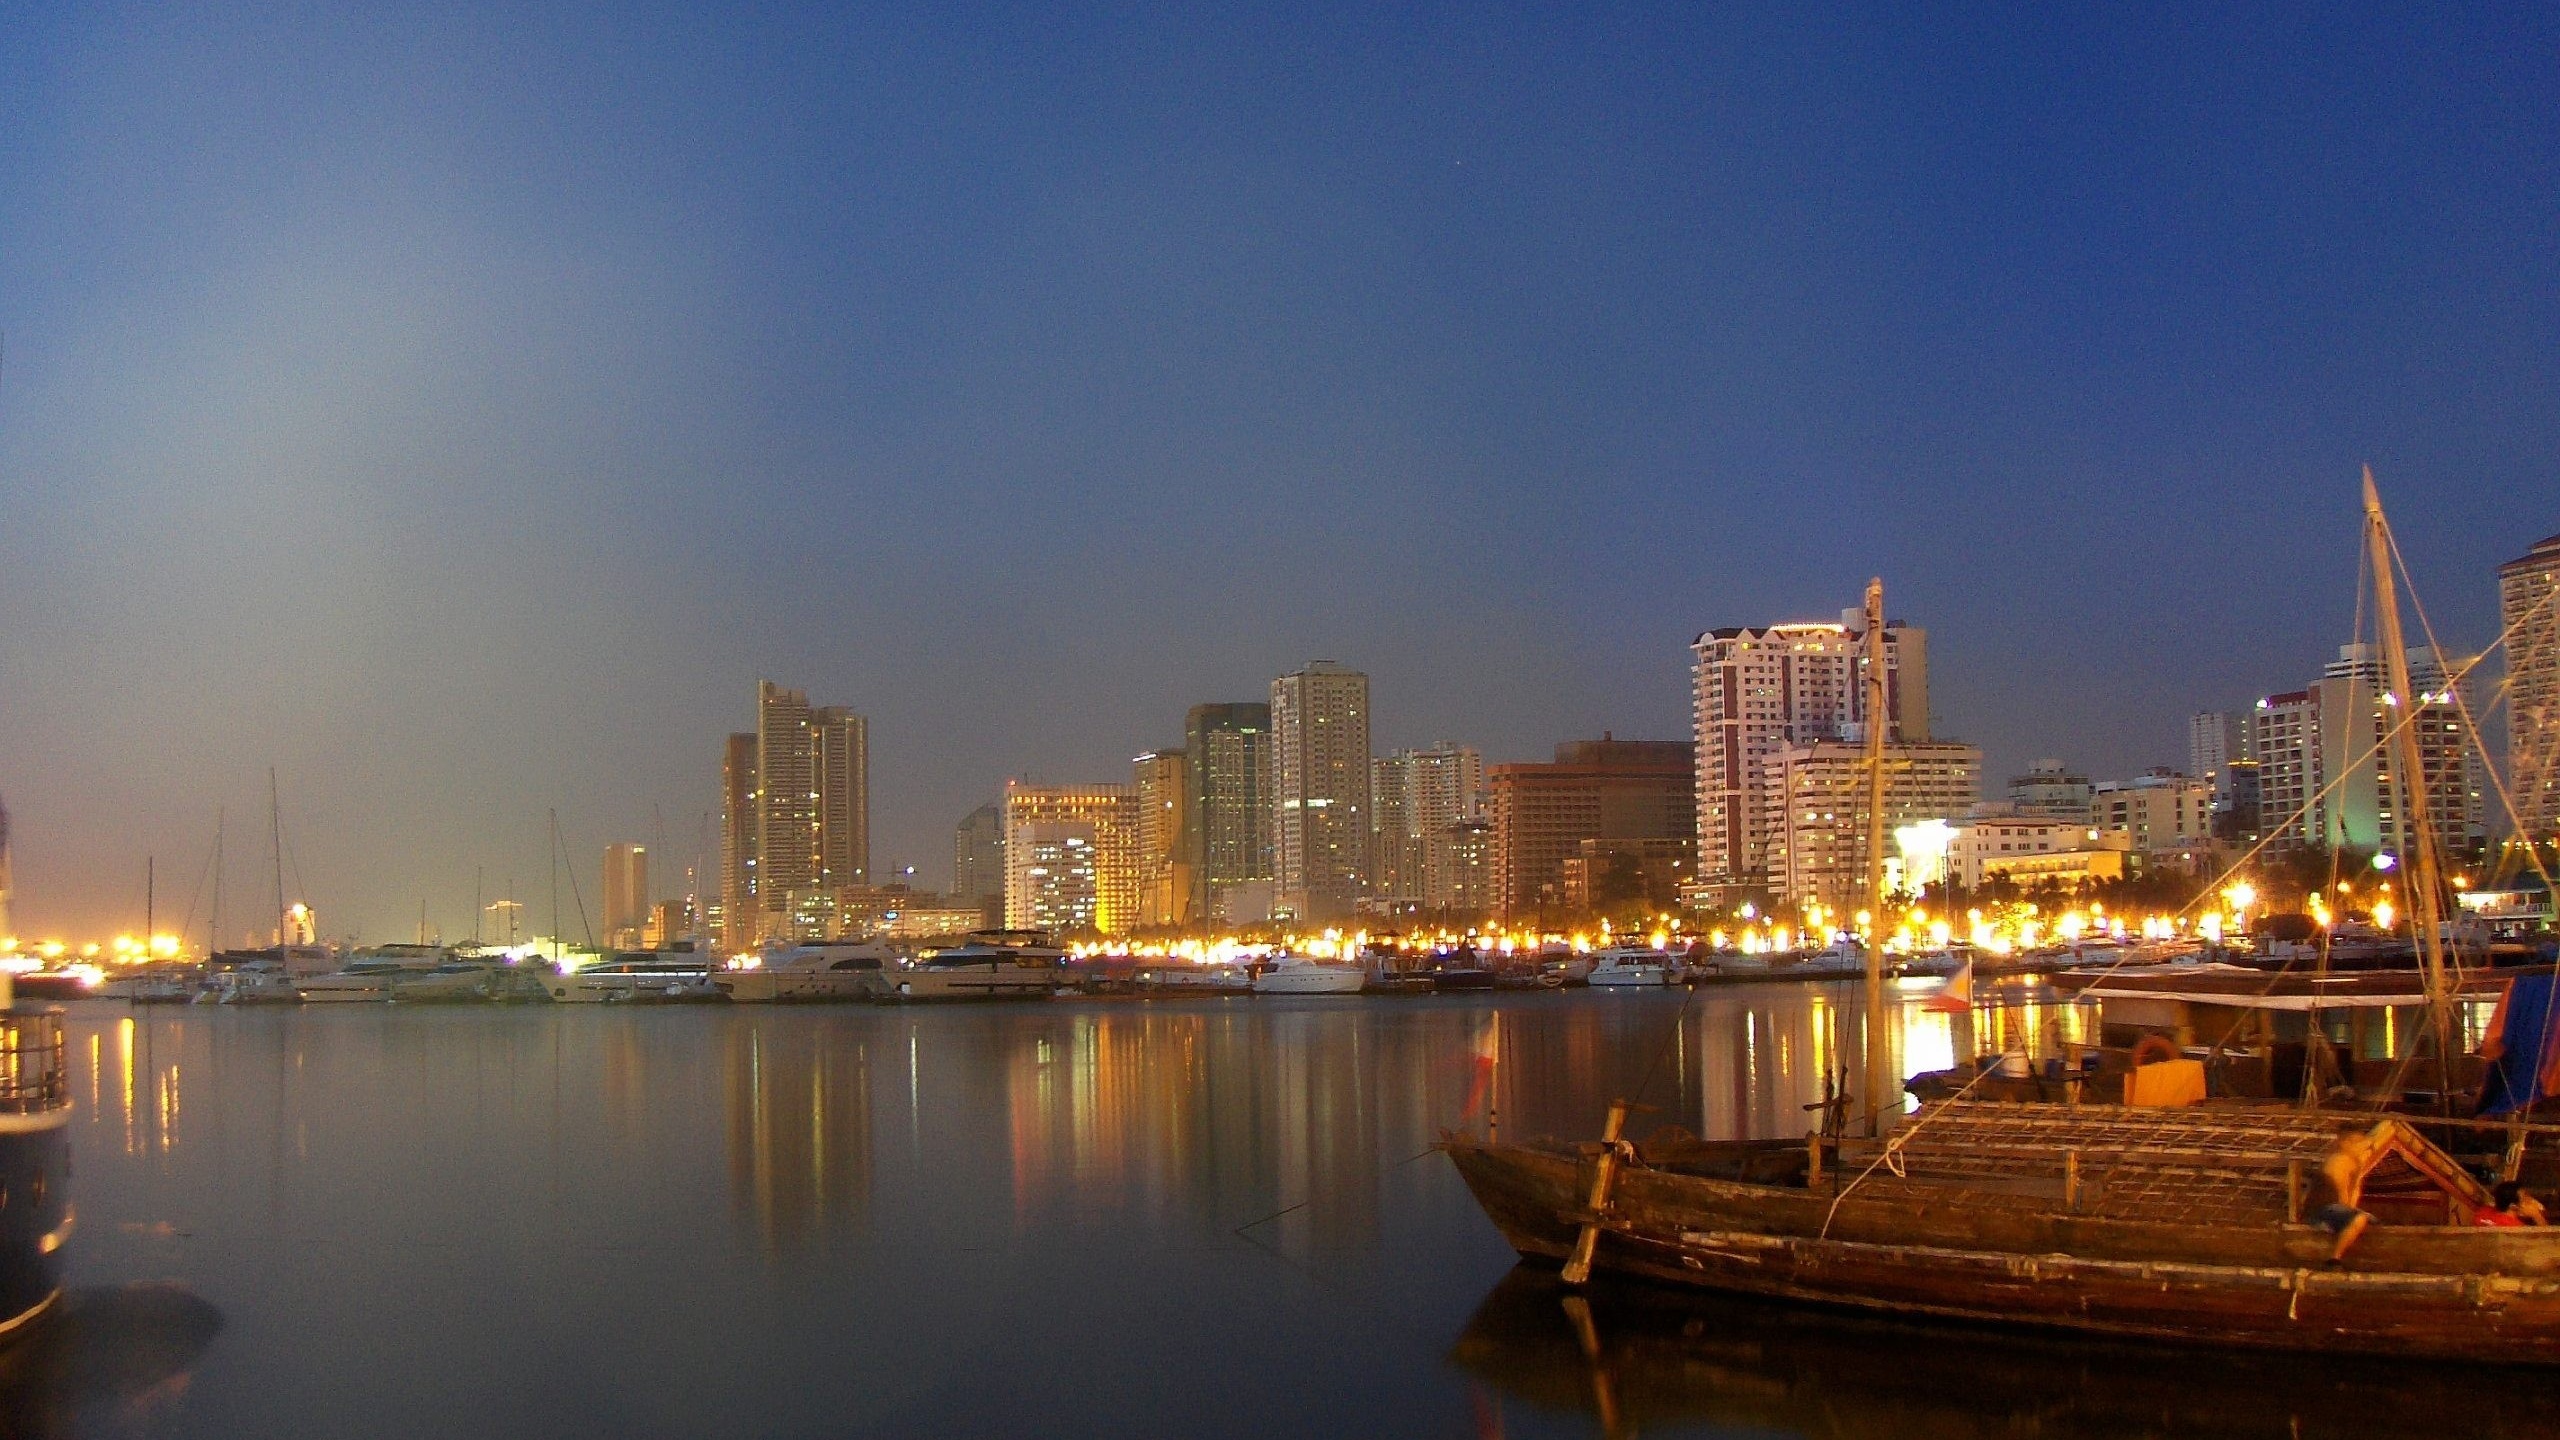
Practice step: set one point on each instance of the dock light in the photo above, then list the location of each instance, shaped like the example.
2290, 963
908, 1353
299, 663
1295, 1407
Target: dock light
2382, 914
2242, 895
2385, 860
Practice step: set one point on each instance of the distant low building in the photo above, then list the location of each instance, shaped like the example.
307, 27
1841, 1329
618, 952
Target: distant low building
2052, 789
2159, 810
1605, 789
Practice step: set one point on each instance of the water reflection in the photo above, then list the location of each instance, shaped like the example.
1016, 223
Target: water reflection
112, 1358
1630, 1358
799, 1128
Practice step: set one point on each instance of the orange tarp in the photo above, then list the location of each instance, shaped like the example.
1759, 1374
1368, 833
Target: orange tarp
2166, 1084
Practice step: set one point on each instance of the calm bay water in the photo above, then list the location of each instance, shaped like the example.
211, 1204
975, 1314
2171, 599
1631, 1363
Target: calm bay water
1215, 1216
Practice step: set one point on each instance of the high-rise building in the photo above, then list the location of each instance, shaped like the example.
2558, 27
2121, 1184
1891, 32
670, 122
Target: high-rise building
977, 861
2529, 603
2215, 738
1071, 857
2054, 790
1467, 869
2157, 810
1817, 812
733, 923
1320, 790
1417, 795
841, 747
1606, 789
1755, 693
2325, 774
626, 895
801, 831
1162, 779
1228, 754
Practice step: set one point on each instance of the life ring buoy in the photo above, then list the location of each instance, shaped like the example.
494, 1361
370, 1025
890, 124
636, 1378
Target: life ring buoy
2154, 1048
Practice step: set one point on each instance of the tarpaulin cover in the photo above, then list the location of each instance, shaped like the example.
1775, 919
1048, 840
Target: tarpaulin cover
2522, 1047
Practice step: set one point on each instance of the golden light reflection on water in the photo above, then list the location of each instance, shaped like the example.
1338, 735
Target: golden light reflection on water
1201, 1114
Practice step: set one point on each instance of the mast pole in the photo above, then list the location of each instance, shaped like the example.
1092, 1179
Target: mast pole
150, 899
2410, 815
1879, 1050
275, 832
213, 923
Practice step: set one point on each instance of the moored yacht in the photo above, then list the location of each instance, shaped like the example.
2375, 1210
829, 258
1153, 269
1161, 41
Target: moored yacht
369, 975
993, 965
1633, 965
821, 970
1300, 975
680, 972
248, 977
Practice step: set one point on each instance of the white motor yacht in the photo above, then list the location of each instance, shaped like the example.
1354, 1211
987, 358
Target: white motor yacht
1220, 979
1299, 975
827, 970
636, 975
1633, 965
993, 965
1843, 956
249, 982
369, 974
448, 983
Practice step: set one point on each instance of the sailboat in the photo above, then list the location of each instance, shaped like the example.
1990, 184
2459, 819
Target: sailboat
2186, 1224
266, 976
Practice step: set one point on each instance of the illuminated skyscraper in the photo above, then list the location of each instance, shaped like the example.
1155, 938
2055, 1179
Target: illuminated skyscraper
2325, 776
1758, 692
1228, 753
2529, 600
626, 895
1417, 795
842, 741
1070, 857
796, 815
733, 925
1320, 790
1163, 782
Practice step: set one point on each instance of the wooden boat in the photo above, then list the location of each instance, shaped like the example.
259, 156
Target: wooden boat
1637, 1358
2183, 1224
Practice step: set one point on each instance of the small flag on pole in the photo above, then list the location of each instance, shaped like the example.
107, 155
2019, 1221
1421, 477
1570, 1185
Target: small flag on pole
1486, 1055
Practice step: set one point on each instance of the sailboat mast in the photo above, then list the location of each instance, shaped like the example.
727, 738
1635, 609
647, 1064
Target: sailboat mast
275, 836
150, 899
213, 925
1879, 1051
2409, 808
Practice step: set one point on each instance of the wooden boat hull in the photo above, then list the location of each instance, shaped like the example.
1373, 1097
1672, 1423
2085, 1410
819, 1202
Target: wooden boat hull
2475, 1294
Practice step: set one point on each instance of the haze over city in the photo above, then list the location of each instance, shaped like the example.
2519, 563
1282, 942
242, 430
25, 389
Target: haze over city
460, 413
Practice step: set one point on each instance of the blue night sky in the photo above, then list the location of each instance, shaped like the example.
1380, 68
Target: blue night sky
460, 409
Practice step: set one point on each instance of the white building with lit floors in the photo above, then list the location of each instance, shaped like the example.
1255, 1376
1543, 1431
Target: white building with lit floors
1816, 812
1758, 691
1320, 790
2529, 605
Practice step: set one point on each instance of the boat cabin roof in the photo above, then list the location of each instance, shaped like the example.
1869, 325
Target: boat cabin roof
2196, 1165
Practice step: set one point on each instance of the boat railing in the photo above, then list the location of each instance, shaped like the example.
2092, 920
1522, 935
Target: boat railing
32, 1078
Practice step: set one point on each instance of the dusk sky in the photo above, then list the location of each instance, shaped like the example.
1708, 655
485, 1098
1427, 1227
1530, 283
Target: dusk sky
460, 409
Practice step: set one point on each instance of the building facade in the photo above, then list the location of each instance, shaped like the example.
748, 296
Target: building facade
626, 895
1606, 789
1755, 693
2156, 811
1418, 795
840, 753
1071, 857
1162, 779
1227, 753
733, 922
2051, 788
1816, 813
2325, 773
977, 861
2529, 604
1320, 800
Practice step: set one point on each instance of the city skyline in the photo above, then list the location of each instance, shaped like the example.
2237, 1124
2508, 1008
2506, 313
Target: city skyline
461, 437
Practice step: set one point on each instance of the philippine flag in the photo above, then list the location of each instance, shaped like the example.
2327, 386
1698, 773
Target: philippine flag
1957, 998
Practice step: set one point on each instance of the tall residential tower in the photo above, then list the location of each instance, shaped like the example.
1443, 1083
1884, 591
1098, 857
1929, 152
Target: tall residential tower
1320, 790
